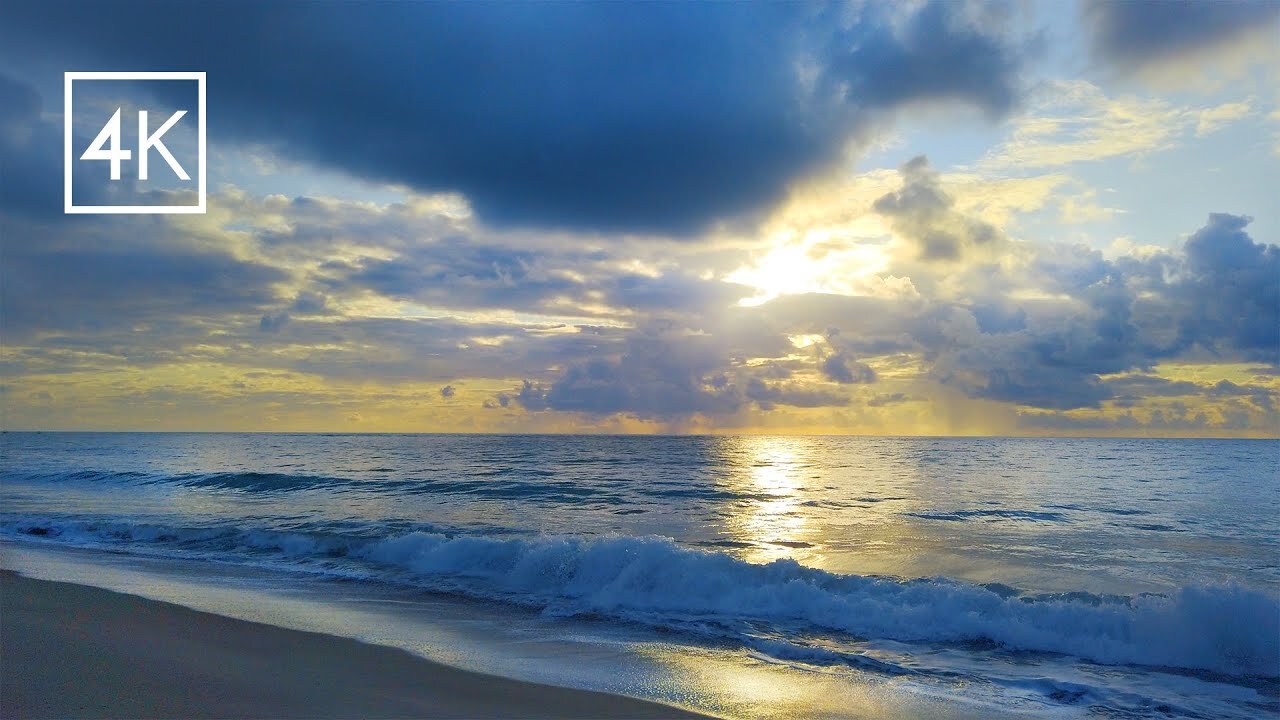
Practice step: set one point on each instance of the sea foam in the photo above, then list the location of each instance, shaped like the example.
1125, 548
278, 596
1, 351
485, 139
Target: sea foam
652, 580
1225, 629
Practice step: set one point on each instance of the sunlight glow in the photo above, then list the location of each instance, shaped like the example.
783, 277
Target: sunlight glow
819, 261
771, 525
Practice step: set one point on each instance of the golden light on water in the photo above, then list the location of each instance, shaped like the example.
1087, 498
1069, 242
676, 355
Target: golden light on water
787, 513
772, 524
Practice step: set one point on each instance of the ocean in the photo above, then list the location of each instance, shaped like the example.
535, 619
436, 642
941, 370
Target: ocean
745, 575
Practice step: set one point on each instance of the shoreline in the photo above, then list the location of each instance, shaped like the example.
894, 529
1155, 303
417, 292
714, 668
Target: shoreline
70, 650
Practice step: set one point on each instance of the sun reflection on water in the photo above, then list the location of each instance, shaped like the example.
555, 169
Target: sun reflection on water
770, 471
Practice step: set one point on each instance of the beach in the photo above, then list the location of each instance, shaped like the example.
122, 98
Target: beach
762, 360
737, 577
77, 651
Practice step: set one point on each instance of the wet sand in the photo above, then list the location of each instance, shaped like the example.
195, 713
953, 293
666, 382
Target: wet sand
72, 651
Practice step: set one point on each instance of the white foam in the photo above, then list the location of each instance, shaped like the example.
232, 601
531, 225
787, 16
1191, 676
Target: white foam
1226, 629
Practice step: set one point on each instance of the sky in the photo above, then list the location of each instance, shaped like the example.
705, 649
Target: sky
925, 218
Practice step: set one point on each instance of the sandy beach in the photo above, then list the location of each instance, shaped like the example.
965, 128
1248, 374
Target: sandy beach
71, 651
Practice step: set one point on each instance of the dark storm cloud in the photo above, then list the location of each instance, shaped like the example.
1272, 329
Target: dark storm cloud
1135, 34
617, 116
936, 54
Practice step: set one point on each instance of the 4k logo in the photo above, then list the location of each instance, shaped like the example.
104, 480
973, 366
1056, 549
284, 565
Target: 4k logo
109, 144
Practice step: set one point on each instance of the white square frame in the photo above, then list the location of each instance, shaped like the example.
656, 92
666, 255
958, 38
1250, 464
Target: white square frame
68, 78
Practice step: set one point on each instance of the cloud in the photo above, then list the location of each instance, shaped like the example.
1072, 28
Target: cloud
1221, 294
610, 116
31, 158
273, 323
922, 213
669, 373
845, 370
329, 305
1213, 119
1130, 390
1136, 35
888, 399
1053, 363
769, 395
126, 272
1230, 295
29, 150
1041, 324
1076, 121
661, 374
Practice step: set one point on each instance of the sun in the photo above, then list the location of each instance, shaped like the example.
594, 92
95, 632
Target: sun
815, 261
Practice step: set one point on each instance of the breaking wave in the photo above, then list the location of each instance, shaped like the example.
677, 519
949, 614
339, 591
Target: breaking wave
655, 581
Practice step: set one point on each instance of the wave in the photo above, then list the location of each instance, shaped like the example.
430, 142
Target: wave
248, 481
652, 580
526, 484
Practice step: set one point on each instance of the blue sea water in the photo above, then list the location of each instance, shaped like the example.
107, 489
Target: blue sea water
1061, 577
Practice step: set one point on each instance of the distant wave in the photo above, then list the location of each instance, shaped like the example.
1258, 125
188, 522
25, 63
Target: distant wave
500, 483
651, 580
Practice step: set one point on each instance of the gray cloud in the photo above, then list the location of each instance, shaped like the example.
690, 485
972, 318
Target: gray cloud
924, 214
1131, 389
119, 273
1133, 35
1229, 297
767, 396
660, 375
136, 292
31, 149
273, 323
667, 373
889, 399
846, 370
609, 116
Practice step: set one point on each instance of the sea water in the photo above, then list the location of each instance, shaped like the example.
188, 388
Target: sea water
1057, 577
